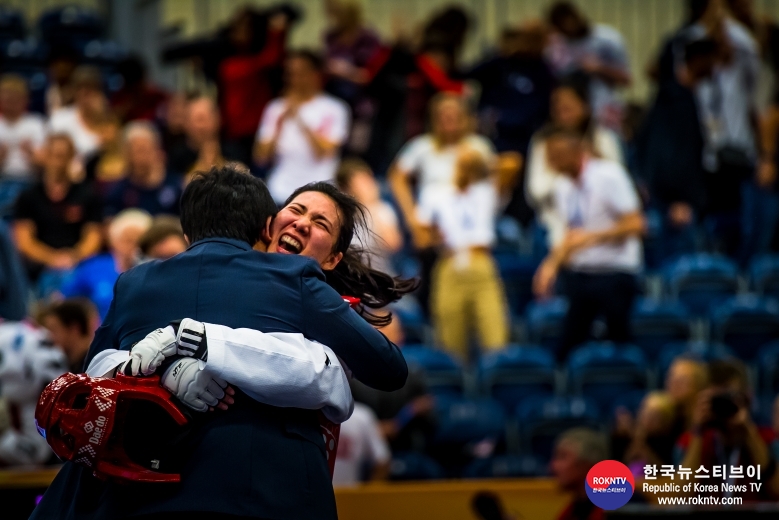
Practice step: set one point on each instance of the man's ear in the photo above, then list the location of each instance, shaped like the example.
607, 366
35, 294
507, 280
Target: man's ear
265, 235
187, 240
332, 262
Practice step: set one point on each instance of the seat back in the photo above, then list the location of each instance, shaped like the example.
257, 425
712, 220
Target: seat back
764, 275
746, 323
701, 281
506, 466
517, 372
545, 322
542, 420
443, 373
657, 323
411, 465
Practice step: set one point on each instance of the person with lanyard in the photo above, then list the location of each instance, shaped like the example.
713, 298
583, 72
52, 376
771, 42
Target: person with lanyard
601, 248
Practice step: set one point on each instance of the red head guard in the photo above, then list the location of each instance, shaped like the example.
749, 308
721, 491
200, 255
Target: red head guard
82, 419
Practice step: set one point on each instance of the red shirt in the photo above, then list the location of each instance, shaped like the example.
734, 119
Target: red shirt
245, 89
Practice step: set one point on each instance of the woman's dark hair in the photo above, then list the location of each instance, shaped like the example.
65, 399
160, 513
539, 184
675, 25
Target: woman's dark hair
313, 58
226, 202
353, 276
579, 84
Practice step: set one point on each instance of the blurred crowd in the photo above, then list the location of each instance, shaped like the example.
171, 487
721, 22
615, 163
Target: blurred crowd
503, 186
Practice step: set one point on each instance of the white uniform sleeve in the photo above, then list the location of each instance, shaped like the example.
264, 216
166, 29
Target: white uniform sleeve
106, 361
281, 369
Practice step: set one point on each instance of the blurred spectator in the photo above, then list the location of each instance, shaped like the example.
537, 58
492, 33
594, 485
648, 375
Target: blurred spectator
147, 185
163, 240
201, 145
28, 362
94, 278
570, 110
174, 121
302, 132
576, 452
428, 161
56, 222
601, 248
137, 99
22, 135
80, 121
71, 324
349, 48
13, 279
650, 439
595, 49
467, 293
722, 430
406, 416
244, 82
243, 59
516, 86
384, 238
361, 445
685, 379
108, 165
670, 149
61, 63
488, 506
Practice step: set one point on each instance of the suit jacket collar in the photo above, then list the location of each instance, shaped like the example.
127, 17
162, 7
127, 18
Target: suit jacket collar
240, 244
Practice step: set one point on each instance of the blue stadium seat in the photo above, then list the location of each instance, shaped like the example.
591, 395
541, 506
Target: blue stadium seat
516, 373
68, 23
517, 272
542, 420
12, 26
462, 421
657, 323
414, 466
443, 372
545, 322
764, 275
746, 323
412, 319
768, 369
701, 281
506, 466
602, 371
698, 350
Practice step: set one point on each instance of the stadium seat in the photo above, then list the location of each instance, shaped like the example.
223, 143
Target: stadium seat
701, 281
746, 323
698, 350
517, 272
506, 466
764, 275
70, 23
545, 322
443, 372
768, 369
516, 373
631, 401
602, 371
657, 323
542, 420
412, 319
414, 466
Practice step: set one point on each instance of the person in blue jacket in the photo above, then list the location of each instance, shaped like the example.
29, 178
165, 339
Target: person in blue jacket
254, 460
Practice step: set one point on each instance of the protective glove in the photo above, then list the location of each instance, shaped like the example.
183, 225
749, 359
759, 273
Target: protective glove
147, 355
191, 339
192, 385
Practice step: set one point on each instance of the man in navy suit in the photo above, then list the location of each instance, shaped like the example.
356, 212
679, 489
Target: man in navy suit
254, 460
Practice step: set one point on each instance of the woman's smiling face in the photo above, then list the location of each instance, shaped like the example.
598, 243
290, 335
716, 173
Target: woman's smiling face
308, 226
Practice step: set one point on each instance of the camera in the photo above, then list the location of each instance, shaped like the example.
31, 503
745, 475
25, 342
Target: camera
725, 405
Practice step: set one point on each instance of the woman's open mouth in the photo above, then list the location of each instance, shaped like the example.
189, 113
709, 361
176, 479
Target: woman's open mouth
289, 245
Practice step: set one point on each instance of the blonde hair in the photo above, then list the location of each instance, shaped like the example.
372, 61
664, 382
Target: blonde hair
129, 218
14, 82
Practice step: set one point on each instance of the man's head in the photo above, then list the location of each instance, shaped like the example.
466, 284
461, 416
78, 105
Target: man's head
164, 239
303, 72
568, 20
143, 149
686, 377
71, 324
59, 154
577, 450
226, 202
87, 83
125, 231
565, 151
729, 375
202, 123
13, 96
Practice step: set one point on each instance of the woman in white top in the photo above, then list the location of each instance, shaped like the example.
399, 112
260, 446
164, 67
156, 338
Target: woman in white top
303, 131
81, 121
569, 110
431, 158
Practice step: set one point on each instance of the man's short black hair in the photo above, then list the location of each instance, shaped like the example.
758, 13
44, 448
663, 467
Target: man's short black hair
73, 312
226, 202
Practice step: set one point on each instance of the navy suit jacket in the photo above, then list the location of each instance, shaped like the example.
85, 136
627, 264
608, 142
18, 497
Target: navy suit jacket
253, 460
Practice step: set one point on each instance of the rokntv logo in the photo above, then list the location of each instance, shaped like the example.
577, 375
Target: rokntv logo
609, 484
